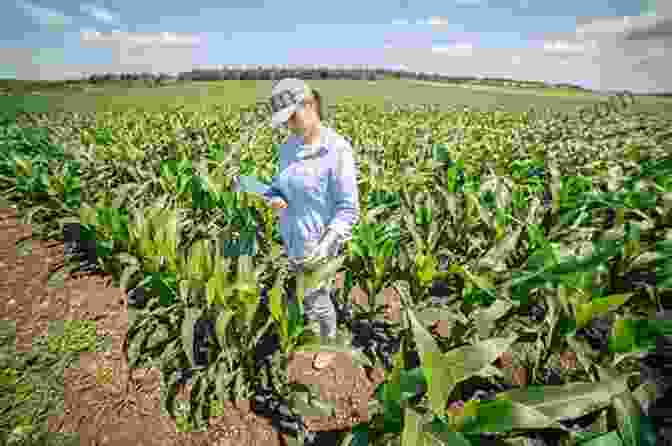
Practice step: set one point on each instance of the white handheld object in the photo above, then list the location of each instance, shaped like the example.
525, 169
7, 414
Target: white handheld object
250, 185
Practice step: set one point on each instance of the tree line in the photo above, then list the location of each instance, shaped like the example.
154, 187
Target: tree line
307, 73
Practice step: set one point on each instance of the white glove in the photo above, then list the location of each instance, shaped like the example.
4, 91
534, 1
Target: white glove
325, 248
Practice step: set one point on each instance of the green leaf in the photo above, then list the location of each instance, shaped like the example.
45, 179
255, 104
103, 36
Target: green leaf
481, 282
610, 439
308, 406
201, 402
136, 344
412, 433
468, 361
500, 416
440, 380
442, 436
160, 335
645, 393
324, 272
169, 397
428, 316
275, 301
223, 319
585, 312
360, 435
405, 386
629, 335
629, 419
485, 318
126, 275
567, 401
295, 319
411, 381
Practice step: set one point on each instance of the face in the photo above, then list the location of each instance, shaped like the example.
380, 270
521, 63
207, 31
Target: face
303, 119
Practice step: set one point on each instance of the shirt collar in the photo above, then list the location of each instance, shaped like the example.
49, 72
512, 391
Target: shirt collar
306, 151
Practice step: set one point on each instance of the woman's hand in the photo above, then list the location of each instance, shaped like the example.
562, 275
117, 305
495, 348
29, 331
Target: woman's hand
278, 203
325, 248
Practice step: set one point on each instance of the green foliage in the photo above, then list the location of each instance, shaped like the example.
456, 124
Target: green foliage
77, 336
506, 211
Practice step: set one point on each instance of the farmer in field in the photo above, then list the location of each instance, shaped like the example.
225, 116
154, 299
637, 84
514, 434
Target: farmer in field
315, 193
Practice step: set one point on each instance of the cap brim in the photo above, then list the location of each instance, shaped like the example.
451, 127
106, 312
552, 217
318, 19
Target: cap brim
279, 118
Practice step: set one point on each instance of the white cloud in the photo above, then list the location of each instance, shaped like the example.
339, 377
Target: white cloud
433, 21
630, 27
123, 38
661, 27
564, 47
605, 26
458, 49
164, 52
437, 21
617, 53
99, 13
45, 16
656, 51
635, 66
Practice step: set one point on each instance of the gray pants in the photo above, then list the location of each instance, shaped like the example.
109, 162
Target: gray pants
319, 311
318, 306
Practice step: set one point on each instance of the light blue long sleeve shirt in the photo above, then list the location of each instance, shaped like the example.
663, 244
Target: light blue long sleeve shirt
319, 184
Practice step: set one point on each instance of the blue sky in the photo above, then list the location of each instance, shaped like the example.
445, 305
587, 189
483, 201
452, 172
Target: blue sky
571, 41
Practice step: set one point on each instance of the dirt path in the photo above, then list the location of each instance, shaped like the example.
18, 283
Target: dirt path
108, 404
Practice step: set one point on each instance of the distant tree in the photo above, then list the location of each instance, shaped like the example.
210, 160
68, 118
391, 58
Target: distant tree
312, 73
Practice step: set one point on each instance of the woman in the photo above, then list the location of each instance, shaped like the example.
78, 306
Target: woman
315, 193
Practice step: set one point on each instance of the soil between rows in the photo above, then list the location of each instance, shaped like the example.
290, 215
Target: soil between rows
108, 404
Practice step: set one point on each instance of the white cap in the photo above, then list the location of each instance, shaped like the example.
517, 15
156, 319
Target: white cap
287, 96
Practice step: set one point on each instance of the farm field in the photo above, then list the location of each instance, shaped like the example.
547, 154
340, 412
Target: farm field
204, 94
508, 279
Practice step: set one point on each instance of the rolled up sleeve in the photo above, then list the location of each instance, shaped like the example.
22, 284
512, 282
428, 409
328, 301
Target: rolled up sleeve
345, 192
273, 191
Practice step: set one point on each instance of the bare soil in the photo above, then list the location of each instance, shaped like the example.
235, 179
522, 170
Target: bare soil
108, 404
